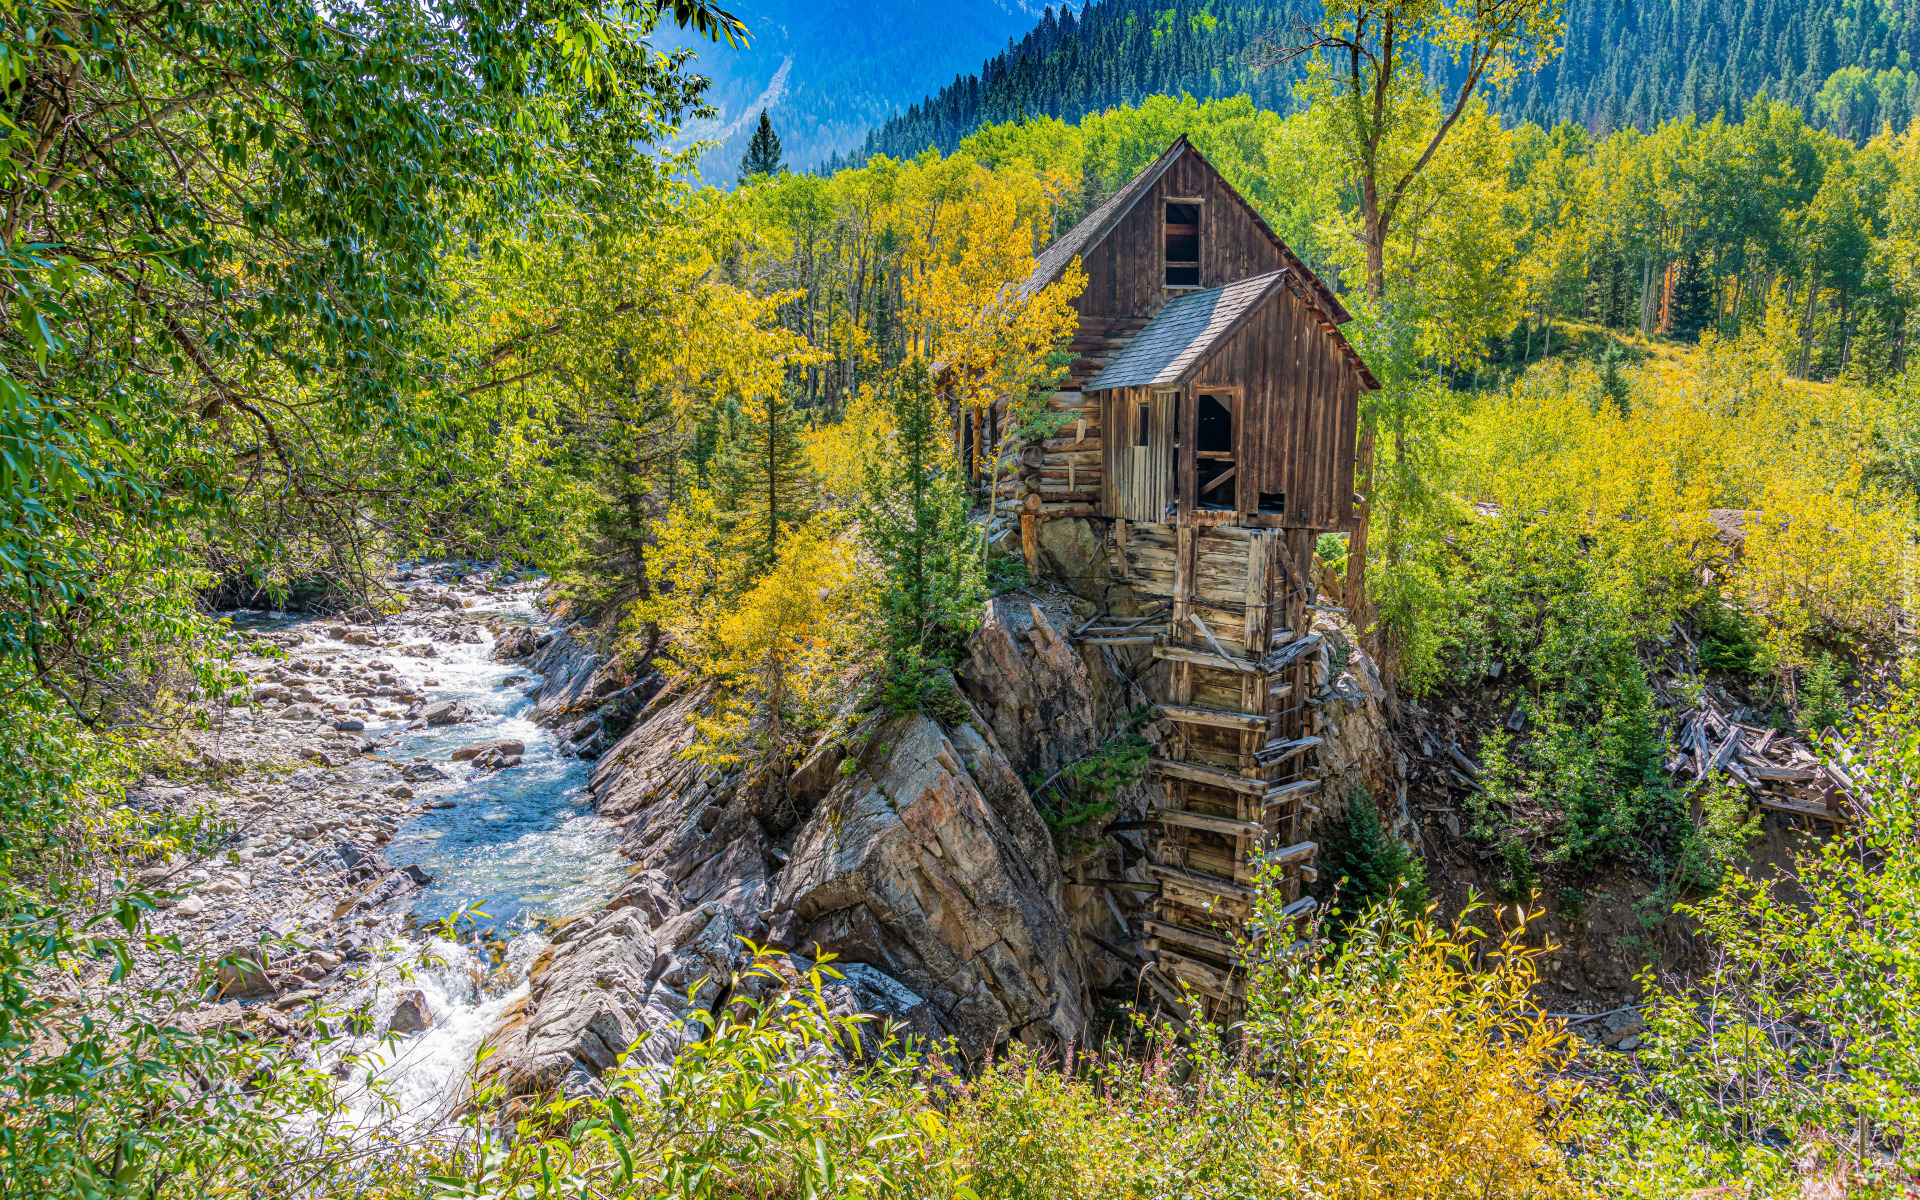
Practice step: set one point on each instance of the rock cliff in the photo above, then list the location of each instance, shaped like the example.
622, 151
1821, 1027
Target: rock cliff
912, 849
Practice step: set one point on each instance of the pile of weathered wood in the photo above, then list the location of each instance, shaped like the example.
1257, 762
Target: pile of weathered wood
1782, 772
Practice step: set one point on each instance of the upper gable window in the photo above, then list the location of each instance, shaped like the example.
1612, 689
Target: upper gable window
1183, 245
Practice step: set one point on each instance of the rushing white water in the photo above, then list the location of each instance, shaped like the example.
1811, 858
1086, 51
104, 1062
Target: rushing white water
519, 845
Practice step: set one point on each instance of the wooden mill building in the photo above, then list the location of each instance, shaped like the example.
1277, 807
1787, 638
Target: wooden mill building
1214, 406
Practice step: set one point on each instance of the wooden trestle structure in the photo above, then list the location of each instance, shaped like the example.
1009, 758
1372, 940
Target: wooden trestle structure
1238, 757
1210, 434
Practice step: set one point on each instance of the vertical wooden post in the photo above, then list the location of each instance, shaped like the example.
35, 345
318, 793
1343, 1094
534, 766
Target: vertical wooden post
1184, 556
1030, 542
1259, 547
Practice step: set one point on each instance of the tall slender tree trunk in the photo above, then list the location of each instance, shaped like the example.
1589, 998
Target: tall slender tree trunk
1806, 325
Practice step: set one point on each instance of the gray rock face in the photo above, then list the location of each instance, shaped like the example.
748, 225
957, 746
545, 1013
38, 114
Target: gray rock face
1357, 750
652, 894
411, 1014
609, 986
568, 665
907, 867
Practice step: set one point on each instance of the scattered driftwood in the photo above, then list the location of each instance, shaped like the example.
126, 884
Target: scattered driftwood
1780, 771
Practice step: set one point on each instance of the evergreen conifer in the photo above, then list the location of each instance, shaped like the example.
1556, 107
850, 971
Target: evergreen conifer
914, 520
1692, 300
762, 482
763, 152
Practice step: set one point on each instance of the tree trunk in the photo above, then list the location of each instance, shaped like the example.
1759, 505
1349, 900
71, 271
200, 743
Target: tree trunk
1357, 544
1806, 338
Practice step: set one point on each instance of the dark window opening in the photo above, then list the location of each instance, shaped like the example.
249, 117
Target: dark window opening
1183, 245
1215, 435
1273, 502
1213, 478
1213, 453
1140, 424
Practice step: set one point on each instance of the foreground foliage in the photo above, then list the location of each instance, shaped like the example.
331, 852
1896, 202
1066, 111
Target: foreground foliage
1333, 1093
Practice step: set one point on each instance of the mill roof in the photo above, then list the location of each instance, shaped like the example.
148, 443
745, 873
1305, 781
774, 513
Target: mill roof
1184, 333
1094, 227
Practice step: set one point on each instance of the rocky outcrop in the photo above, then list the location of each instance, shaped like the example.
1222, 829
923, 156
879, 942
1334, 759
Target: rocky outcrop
1357, 753
614, 983
1048, 703
906, 867
910, 849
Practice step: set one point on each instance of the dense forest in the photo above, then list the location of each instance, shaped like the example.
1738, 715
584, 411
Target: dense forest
1848, 67
299, 300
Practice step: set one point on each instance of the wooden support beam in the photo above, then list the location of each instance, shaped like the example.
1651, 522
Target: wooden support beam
1205, 658
1204, 977
1218, 718
1279, 752
1030, 542
1287, 791
1200, 881
1192, 939
1210, 776
1287, 856
1225, 826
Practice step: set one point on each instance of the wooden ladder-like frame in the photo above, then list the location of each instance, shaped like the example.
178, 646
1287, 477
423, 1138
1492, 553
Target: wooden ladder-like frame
1240, 767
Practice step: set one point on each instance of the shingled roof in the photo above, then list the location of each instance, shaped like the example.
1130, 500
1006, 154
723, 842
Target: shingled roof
1082, 238
1182, 335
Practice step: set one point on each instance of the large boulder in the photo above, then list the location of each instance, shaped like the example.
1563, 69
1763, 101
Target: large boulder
907, 867
611, 986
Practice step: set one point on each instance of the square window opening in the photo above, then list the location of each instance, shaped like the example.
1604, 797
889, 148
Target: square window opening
1183, 245
1273, 502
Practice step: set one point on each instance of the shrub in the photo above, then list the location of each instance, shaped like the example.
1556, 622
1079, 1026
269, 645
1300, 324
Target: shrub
1368, 864
1821, 705
1731, 640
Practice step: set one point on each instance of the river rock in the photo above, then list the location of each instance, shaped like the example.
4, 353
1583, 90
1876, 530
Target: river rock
515, 643
243, 973
445, 712
411, 1014
422, 773
905, 866
225, 1015
512, 746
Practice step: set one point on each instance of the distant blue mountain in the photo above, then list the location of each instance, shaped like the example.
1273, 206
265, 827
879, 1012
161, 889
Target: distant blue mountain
829, 71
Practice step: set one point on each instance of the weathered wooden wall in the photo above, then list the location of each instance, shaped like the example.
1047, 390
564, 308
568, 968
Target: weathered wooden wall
1298, 425
1138, 479
1126, 272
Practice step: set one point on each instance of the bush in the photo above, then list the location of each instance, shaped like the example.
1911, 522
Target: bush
1367, 864
1730, 641
1821, 705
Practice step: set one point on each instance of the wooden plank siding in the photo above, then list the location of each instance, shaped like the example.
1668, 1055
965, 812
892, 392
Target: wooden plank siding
1298, 415
1138, 480
1126, 272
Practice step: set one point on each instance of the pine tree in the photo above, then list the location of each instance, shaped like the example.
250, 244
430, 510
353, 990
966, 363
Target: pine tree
763, 152
762, 482
1692, 300
914, 520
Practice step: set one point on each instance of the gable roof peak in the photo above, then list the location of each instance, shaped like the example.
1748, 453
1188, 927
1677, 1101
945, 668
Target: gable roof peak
1096, 225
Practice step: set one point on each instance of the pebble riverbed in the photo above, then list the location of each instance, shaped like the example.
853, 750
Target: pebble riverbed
364, 820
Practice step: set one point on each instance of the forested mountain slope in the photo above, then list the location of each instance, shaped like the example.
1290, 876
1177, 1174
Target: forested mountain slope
1847, 64
827, 73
